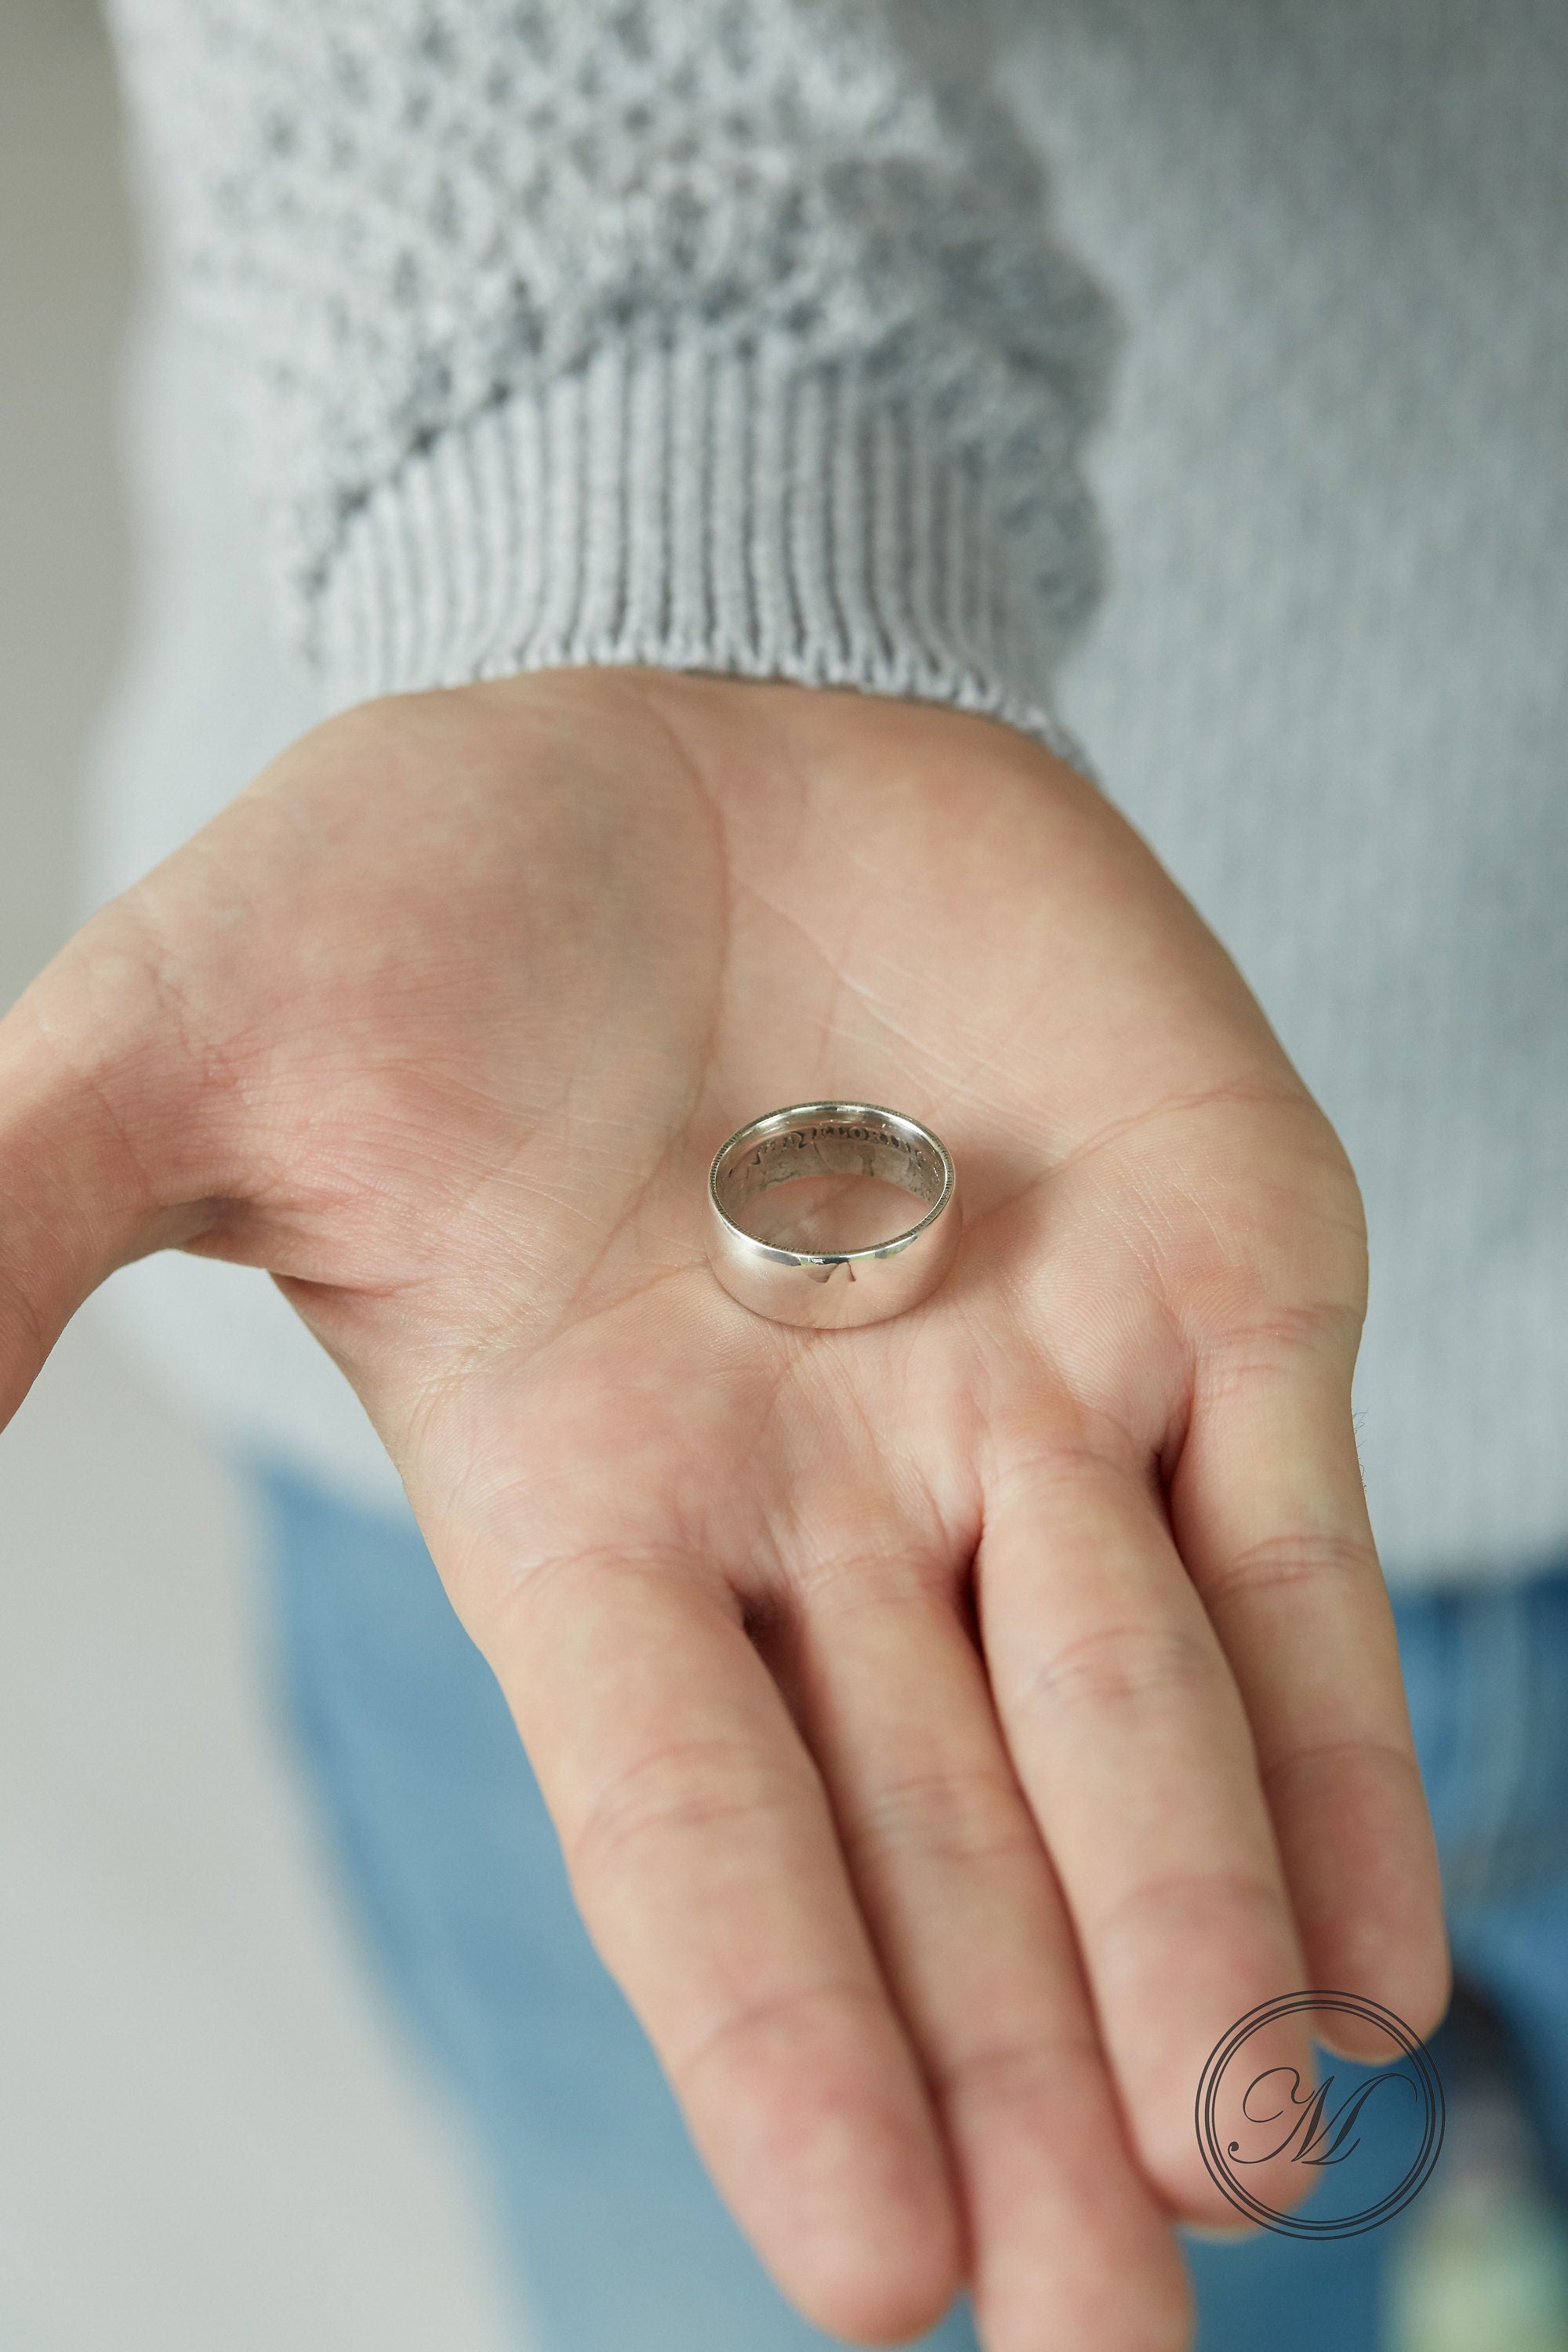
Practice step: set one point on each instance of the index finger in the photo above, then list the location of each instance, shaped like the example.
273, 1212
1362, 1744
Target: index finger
702, 1853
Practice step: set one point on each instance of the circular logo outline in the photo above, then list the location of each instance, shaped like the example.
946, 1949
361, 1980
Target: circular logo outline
1298, 2225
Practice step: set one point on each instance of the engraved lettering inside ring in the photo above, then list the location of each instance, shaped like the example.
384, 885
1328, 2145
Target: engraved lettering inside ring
834, 1185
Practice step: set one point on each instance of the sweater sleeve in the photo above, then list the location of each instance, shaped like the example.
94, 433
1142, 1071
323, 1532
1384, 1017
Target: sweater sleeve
713, 335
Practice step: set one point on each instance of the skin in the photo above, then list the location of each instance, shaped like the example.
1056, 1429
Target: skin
953, 1726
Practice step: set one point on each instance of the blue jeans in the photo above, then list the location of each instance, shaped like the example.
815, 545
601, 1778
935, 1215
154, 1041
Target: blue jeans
618, 2239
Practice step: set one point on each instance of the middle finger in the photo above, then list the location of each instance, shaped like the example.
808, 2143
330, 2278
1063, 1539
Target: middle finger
1067, 2246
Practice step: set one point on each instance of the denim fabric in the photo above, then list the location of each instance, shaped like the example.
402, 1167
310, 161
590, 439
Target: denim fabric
617, 2236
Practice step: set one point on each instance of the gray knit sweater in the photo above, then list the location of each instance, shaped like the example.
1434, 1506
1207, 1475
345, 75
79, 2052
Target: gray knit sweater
1187, 378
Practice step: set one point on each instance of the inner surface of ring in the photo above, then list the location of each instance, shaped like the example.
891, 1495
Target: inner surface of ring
824, 1146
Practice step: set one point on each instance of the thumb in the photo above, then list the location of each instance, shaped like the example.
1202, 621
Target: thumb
99, 1150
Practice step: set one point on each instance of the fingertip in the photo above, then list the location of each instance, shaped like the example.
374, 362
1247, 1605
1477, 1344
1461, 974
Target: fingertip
1362, 1862
884, 2266
826, 2150
1188, 2190
1118, 2283
1377, 1936
1431, 1992
1245, 2096
1412, 1985
855, 2307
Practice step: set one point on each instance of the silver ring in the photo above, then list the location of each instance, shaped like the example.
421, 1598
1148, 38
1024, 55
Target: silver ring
832, 1291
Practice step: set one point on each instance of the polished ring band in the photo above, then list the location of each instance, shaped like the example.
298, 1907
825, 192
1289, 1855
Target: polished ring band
832, 1291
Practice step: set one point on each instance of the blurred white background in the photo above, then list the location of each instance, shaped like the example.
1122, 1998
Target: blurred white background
209, 2135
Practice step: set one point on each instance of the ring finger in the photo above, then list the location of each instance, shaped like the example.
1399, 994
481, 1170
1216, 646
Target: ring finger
1129, 1738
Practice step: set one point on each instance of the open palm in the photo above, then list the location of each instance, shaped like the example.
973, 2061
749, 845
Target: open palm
952, 1724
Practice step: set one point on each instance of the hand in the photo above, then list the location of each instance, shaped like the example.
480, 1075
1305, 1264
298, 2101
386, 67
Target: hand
953, 1726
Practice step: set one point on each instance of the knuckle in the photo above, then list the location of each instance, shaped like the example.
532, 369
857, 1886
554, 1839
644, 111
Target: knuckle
1350, 1759
1124, 1668
676, 1791
1197, 1908
1291, 1559
839, 1584
1083, 1462
784, 2017
1021, 2068
1208, 1900
1280, 1334
971, 1816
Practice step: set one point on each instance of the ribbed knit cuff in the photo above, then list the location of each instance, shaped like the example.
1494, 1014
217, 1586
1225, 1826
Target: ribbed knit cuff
695, 511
